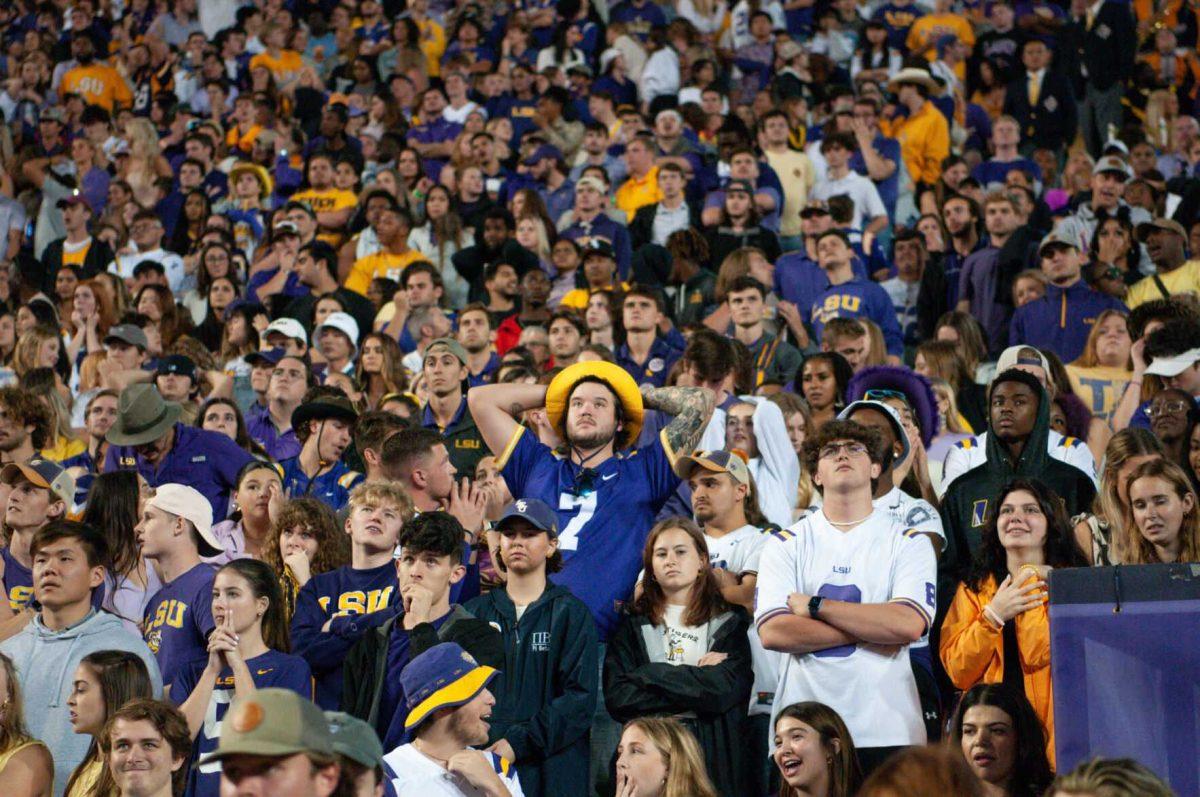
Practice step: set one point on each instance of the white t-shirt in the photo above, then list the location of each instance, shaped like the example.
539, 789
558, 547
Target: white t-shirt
867, 204
685, 644
913, 513
877, 561
172, 265
415, 775
739, 552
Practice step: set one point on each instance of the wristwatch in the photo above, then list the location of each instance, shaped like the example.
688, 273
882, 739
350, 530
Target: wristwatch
814, 605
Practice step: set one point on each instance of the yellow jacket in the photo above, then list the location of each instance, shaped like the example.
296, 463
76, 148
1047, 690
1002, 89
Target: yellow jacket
972, 650
924, 142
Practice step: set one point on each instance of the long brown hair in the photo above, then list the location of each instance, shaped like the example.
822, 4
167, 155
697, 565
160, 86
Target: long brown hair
123, 677
264, 584
686, 775
1124, 446
945, 359
106, 312
173, 323
705, 602
1139, 550
395, 379
921, 771
844, 772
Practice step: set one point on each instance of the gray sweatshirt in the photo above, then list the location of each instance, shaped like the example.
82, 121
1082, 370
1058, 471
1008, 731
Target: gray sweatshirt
46, 662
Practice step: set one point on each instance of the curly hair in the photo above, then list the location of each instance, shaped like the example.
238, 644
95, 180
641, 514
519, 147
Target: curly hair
333, 545
26, 410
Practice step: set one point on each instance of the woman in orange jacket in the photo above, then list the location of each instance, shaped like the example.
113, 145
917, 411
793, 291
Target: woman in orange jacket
997, 629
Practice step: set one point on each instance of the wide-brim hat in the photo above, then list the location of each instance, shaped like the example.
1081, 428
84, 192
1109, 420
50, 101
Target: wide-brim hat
324, 408
914, 75
143, 416
266, 184
611, 374
444, 676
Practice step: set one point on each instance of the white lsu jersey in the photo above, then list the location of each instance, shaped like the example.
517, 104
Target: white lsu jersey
414, 775
877, 561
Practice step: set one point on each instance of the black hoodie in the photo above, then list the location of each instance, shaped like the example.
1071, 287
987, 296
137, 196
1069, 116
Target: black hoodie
969, 501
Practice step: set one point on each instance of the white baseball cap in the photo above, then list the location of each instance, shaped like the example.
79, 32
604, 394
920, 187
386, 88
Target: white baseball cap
286, 326
342, 322
1173, 366
189, 504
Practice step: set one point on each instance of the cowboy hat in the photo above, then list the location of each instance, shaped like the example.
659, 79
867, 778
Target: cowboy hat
143, 416
614, 376
913, 75
265, 183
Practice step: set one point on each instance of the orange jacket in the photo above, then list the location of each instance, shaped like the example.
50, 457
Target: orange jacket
972, 650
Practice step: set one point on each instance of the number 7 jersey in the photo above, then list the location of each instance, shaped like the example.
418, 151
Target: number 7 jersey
878, 561
604, 515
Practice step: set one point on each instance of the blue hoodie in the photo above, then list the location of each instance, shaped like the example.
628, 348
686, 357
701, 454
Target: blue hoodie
1061, 320
46, 662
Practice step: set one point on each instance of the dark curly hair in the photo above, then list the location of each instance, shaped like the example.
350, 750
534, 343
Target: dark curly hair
27, 410
843, 430
1059, 546
438, 533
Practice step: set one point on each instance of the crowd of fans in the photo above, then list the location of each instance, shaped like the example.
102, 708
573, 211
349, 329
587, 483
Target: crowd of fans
651, 399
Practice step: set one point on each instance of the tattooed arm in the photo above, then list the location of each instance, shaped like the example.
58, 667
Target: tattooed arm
497, 410
691, 406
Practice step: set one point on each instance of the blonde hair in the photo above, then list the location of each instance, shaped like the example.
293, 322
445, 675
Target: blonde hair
1140, 551
1089, 358
143, 139
686, 776
877, 355
12, 719
25, 353
1111, 777
1124, 446
954, 420
373, 493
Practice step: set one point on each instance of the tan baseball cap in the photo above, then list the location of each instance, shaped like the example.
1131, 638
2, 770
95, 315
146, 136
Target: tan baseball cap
273, 722
42, 473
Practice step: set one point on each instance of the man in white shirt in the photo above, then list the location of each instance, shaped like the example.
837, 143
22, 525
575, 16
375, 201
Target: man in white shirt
870, 215
843, 593
448, 709
145, 243
725, 503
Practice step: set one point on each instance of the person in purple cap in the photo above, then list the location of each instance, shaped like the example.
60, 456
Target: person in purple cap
77, 246
449, 707
542, 719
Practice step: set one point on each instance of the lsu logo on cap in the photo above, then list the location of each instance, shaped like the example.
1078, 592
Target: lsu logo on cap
248, 716
979, 513
522, 507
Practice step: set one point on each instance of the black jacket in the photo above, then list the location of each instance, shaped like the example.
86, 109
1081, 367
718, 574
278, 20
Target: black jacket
1107, 50
723, 241
1053, 122
971, 498
546, 692
365, 665
932, 297
711, 701
470, 263
641, 229
96, 260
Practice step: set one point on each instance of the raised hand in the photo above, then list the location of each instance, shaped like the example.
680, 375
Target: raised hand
1013, 599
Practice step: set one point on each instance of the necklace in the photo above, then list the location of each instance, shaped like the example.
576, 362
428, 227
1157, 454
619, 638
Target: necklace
442, 762
849, 522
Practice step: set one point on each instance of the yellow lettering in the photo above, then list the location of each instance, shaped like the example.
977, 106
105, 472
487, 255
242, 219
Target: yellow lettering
474, 444
378, 599
352, 602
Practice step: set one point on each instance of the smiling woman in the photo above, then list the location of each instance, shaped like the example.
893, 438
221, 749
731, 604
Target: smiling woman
997, 629
814, 752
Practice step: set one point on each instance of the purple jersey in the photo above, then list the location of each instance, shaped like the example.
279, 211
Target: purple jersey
271, 669
338, 593
179, 619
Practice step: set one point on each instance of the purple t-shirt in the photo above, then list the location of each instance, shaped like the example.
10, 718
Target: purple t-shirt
179, 619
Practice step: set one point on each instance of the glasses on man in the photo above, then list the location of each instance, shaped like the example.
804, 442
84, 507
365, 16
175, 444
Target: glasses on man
852, 448
1166, 408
